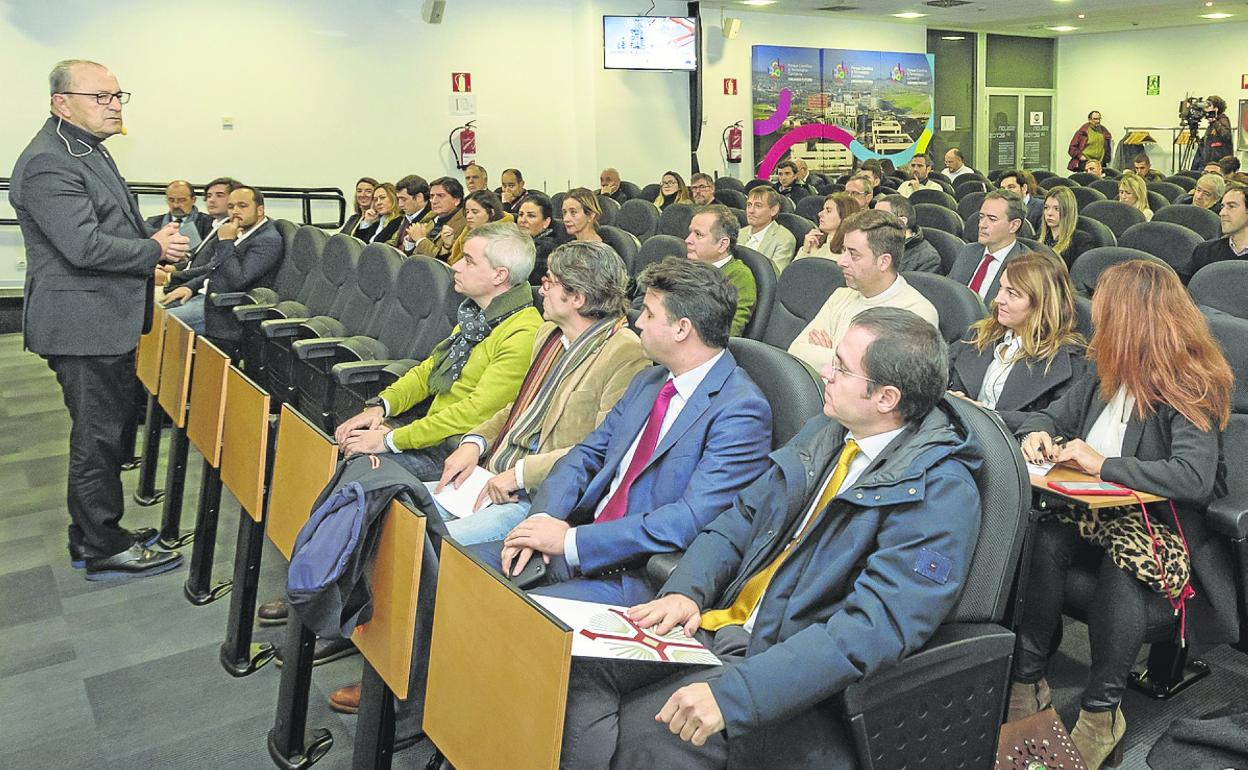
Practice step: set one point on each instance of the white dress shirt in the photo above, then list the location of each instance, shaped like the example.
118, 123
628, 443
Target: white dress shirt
1004, 355
755, 239
994, 267
242, 236
1110, 428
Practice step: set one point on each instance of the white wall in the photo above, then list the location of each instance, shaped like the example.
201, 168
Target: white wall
1108, 73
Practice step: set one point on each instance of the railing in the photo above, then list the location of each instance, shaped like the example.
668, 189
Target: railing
305, 195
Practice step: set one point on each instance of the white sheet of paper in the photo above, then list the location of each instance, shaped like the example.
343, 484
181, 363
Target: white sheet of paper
603, 631
460, 501
1039, 469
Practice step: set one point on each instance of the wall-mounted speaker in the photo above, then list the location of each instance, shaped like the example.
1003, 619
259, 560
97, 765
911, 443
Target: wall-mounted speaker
432, 11
731, 28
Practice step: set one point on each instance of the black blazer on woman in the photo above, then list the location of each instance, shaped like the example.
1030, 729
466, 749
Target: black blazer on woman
369, 234
1028, 387
1166, 455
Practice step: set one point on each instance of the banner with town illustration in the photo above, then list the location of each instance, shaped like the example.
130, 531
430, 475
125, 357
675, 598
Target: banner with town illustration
828, 106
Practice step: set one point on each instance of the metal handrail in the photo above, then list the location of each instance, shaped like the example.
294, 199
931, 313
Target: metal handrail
306, 195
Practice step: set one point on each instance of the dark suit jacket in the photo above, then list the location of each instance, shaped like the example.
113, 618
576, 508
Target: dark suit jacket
202, 222
196, 265
89, 260
1166, 455
234, 268
716, 447
1035, 212
967, 263
1028, 388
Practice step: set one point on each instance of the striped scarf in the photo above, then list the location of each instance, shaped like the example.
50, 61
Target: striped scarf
522, 432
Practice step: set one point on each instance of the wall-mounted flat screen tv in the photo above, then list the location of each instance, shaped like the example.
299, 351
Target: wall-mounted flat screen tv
650, 42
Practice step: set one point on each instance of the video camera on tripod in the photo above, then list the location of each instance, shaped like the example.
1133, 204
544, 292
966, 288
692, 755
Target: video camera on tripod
1192, 110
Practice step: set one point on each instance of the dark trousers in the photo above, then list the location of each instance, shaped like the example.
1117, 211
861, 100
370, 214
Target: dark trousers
1121, 612
99, 393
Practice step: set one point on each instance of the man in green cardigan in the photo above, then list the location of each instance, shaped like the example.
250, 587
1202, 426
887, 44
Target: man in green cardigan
712, 231
471, 374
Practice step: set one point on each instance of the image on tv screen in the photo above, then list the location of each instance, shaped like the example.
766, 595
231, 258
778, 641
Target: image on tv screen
650, 42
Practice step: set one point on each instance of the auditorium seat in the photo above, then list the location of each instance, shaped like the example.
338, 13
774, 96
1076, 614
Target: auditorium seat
1091, 263
729, 183
1172, 243
946, 244
1031, 244
610, 210
798, 194
1086, 195
1057, 181
938, 217
750, 185
1203, 222
1170, 190
1158, 201
934, 197
1186, 182
966, 187
650, 192
1106, 187
1111, 173
624, 244
765, 282
675, 220
742, 220
630, 190
656, 248
969, 203
809, 207
300, 261
736, 199
1115, 215
787, 206
1083, 316
556, 207
1101, 234
1222, 286
1042, 175
958, 306
1191, 174
803, 288
795, 224
1083, 178
639, 217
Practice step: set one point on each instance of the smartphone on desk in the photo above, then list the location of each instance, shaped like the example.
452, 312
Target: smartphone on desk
1090, 488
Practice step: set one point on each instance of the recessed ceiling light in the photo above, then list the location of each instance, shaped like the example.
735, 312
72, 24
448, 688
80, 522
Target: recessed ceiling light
758, 2
1083, 16
1063, 28
1216, 15
953, 37
910, 15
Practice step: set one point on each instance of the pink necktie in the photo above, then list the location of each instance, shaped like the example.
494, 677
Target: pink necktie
617, 506
977, 281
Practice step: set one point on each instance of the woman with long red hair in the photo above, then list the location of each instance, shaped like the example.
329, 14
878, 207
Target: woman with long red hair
1148, 415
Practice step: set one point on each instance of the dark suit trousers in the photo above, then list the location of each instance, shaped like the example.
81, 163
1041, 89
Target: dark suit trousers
99, 393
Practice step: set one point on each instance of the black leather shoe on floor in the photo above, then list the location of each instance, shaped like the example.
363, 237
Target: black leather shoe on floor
273, 613
326, 650
144, 537
135, 561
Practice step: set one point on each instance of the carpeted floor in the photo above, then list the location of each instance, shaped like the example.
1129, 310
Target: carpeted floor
125, 675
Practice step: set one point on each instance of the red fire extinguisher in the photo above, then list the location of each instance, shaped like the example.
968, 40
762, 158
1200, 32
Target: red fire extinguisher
463, 141
732, 143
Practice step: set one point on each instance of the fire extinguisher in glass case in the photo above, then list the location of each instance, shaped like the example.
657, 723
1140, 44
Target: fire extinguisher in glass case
463, 141
732, 143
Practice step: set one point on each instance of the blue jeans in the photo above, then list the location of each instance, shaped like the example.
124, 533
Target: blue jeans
488, 524
191, 313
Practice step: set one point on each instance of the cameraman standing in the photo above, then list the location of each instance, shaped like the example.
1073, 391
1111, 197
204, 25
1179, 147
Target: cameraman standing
1217, 142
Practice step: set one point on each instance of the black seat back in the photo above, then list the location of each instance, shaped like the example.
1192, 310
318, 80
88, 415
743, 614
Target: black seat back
1203, 222
793, 390
1115, 215
1222, 286
729, 183
958, 306
638, 217
623, 243
306, 248
1169, 242
1086, 195
1091, 263
1100, 233
946, 244
934, 197
656, 249
803, 288
797, 225
938, 217
610, 209
416, 317
675, 220
810, 206
969, 204
765, 282
338, 263
734, 198
1169, 190
1106, 187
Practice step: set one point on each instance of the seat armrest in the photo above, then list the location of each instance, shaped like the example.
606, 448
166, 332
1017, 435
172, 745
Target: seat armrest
660, 567
364, 348
274, 328
1228, 517
227, 298
355, 372
316, 347
253, 313
263, 295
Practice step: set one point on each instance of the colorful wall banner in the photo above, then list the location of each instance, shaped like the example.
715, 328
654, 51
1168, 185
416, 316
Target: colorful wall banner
829, 106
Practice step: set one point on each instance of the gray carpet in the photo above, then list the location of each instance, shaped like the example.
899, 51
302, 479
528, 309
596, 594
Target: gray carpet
125, 675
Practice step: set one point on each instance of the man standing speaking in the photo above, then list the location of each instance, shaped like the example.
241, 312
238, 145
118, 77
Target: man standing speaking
90, 262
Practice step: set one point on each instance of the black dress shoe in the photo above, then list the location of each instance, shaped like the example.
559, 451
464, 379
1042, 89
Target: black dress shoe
144, 537
135, 561
326, 650
273, 613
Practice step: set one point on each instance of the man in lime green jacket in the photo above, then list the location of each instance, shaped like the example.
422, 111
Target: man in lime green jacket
469, 375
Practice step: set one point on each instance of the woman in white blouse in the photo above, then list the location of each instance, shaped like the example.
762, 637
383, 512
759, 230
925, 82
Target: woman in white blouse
1026, 352
1147, 415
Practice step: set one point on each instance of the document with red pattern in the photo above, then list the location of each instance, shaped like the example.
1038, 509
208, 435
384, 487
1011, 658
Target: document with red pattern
605, 631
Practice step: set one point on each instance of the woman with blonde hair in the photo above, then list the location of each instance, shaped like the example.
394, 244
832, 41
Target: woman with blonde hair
828, 238
480, 207
1058, 228
379, 222
1147, 415
1133, 192
581, 214
1026, 353
672, 189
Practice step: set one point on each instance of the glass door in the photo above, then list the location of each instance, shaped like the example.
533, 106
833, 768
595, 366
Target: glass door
1020, 129
1038, 132
1002, 131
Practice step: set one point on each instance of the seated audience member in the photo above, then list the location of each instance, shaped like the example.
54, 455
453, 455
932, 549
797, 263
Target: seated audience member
1026, 353
535, 217
1022, 183
413, 194
246, 254
581, 212
1058, 231
1234, 241
682, 441
861, 189
1237, 178
874, 243
1228, 165
609, 185
712, 231
672, 189
1143, 166
471, 374
480, 207
874, 169
786, 173
979, 264
1146, 415
955, 165
1207, 192
446, 204
702, 189
1213, 167
180, 197
1093, 166
475, 178
513, 190
797, 603
919, 254
216, 206
1134, 192
920, 177
803, 173
362, 201
380, 222
826, 240
763, 233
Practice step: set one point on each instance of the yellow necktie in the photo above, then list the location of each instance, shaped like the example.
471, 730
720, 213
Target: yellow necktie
754, 588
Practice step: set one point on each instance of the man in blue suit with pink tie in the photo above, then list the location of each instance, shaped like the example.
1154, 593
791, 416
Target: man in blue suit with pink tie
685, 438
